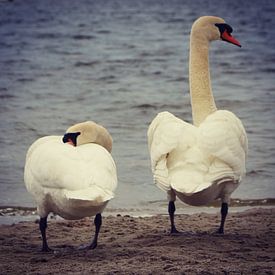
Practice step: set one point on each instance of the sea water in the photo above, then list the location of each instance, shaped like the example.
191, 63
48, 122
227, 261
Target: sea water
119, 63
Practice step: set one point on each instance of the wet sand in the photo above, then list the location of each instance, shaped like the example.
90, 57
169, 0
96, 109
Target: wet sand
130, 245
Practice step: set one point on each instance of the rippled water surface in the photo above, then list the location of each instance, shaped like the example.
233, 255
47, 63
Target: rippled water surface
119, 63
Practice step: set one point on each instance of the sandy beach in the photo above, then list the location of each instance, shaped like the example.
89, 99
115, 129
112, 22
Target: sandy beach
143, 245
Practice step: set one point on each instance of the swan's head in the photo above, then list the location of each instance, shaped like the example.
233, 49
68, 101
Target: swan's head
81, 133
88, 132
213, 28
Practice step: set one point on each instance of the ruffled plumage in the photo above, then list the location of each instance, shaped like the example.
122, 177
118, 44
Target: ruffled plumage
189, 159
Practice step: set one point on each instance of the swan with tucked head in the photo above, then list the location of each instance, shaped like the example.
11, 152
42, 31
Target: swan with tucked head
203, 161
91, 132
73, 176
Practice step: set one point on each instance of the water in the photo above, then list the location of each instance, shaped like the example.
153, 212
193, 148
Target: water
119, 63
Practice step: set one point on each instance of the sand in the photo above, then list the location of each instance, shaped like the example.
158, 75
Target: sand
130, 245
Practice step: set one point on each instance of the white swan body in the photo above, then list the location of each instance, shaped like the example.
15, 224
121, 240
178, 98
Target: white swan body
203, 161
71, 181
192, 160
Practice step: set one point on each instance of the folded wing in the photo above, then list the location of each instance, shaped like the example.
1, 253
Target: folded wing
164, 134
189, 159
85, 172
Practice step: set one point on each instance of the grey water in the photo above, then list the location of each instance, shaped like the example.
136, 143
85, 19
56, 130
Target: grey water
119, 63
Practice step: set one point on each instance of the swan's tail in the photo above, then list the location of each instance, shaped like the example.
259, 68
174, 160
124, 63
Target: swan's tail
95, 195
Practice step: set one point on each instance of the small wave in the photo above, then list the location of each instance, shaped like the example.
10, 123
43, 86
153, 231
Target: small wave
144, 106
16, 61
19, 126
83, 37
48, 35
43, 20
176, 20
11, 21
268, 70
252, 172
258, 172
53, 35
246, 202
107, 78
103, 32
5, 95
11, 211
86, 63
25, 80
254, 202
127, 61
171, 106
157, 73
179, 79
9, 33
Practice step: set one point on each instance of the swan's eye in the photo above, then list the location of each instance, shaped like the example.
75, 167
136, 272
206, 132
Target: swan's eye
224, 27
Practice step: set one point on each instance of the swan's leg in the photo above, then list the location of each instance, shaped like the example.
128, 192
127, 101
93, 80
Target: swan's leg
97, 222
171, 210
224, 211
42, 227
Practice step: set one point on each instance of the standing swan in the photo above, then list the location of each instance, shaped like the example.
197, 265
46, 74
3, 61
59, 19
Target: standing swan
74, 176
202, 162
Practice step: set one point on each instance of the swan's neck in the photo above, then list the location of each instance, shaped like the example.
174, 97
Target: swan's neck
202, 99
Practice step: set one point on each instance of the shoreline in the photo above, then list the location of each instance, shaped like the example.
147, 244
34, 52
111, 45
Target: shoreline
14, 214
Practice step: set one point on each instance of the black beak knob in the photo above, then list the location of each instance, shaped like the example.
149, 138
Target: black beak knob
71, 137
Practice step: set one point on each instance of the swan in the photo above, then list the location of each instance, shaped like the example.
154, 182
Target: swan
73, 176
203, 161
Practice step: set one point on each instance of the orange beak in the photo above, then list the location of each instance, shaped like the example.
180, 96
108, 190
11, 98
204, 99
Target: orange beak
229, 38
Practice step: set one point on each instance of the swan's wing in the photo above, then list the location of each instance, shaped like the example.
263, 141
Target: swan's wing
164, 134
41, 141
98, 174
82, 172
223, 137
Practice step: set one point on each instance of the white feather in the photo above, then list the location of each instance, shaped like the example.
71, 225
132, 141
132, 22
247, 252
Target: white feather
73, 182
190, 159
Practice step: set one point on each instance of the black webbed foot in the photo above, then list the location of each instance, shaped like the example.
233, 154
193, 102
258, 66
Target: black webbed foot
174, 231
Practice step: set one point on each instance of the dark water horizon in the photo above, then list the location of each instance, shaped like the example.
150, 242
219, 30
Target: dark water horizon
120, 63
